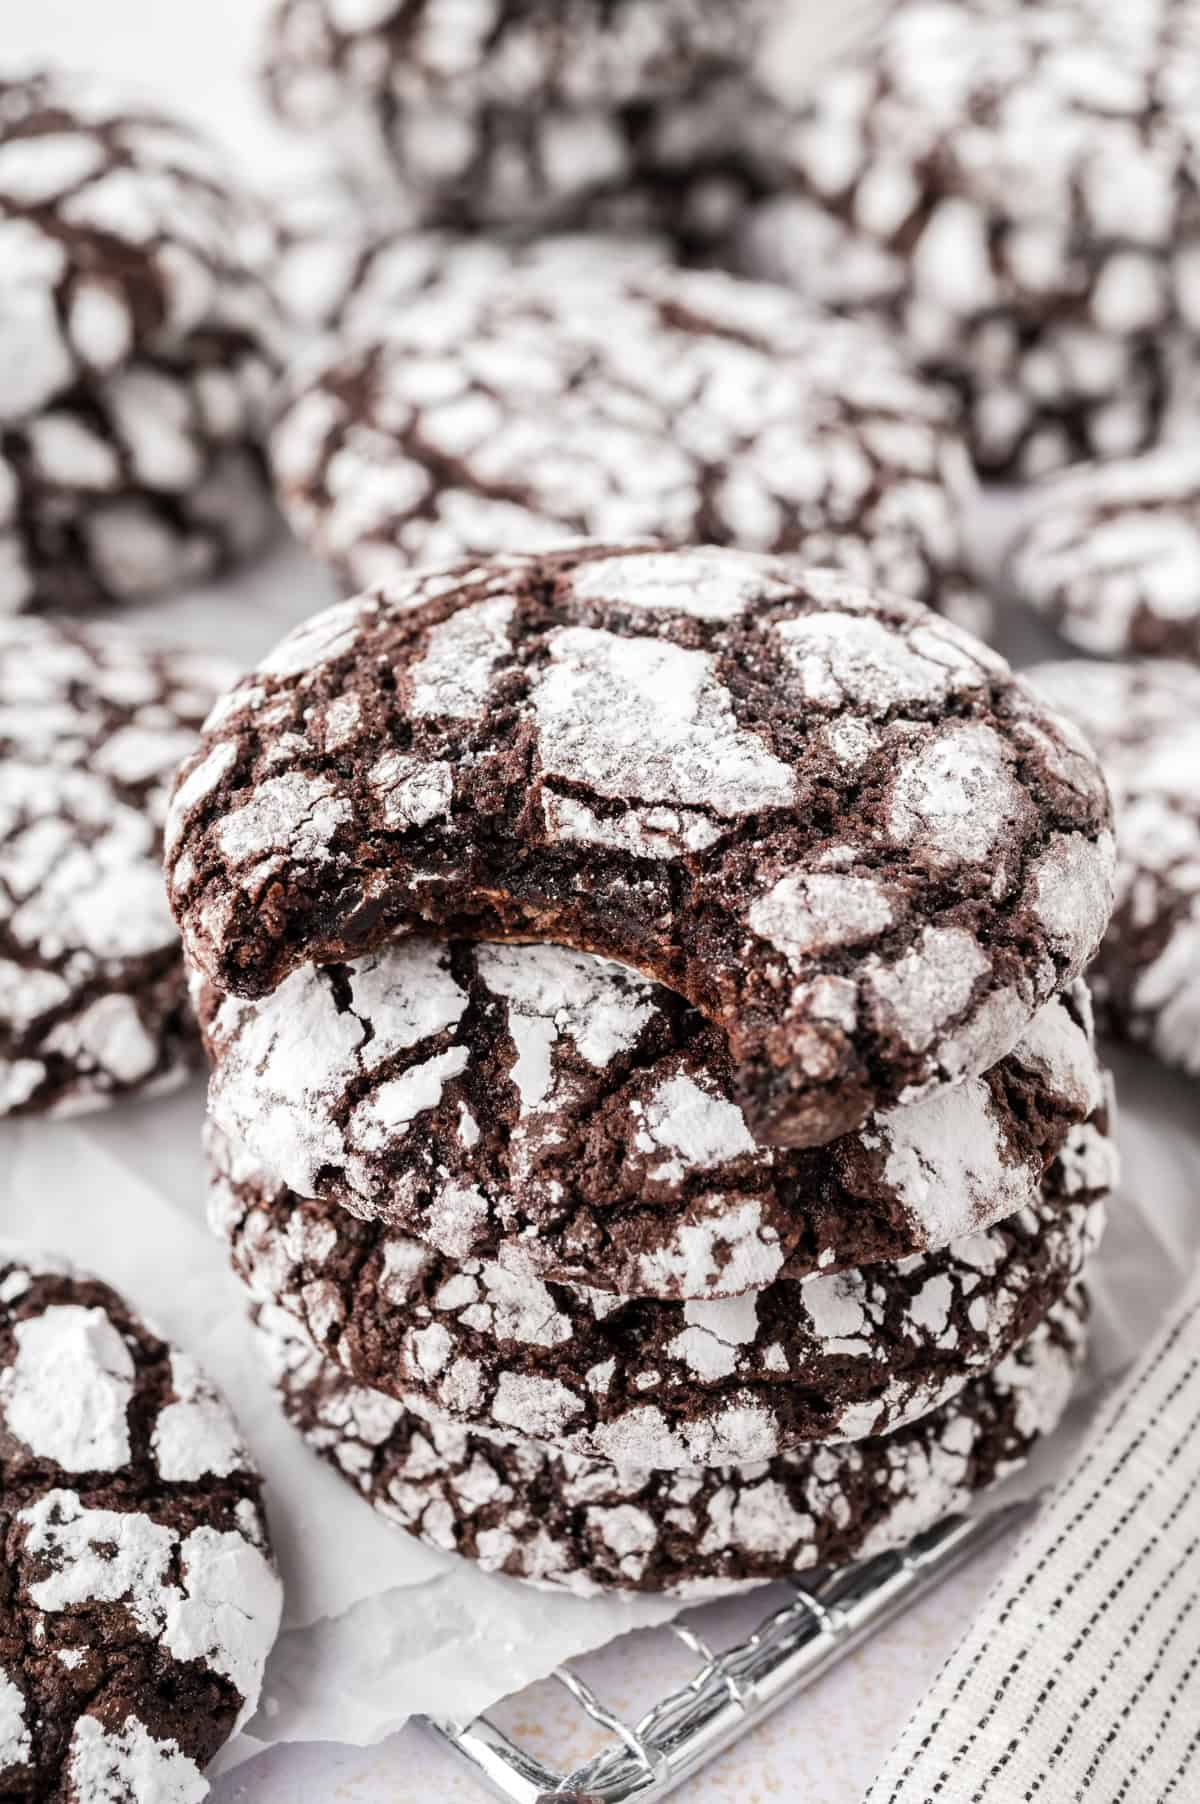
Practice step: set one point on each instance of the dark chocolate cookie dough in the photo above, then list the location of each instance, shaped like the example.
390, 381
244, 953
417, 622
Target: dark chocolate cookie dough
643, 1383
138, 1601
583, 1526
680, 406
834, 822
93, 997
1144, 721
574, 1121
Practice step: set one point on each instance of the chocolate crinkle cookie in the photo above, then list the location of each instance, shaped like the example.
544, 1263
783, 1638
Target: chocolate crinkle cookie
502, 112
1144, 721
685, 407
639, 1382
138, 1598
1110, 552
571, 1120
584, 1526
93, 997
340, 271
833, 822
139, 346
1013, 189
150, 479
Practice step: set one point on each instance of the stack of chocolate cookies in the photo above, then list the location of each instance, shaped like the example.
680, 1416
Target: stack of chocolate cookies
654, 1106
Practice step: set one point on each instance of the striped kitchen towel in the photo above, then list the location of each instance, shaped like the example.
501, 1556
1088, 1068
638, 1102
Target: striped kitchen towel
1080, 1681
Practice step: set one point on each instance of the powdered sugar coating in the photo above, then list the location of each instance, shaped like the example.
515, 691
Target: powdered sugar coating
641, 1382
92, 1002
1144, 721
570, 1120
122, 233
495, 114
584, 1526
688, 407
1012, 188
1111, 553
138, 1589
149, 479
655, 769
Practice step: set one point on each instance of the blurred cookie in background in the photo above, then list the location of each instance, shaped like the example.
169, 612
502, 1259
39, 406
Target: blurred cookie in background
1014, 190
1144, 722
510, 114
93, 1000
138, 348
571, 403
1110, 553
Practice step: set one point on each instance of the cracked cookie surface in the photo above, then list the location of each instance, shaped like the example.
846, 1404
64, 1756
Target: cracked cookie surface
583, 1526
93, 996
1144, 721
1014, 190
571, 1120
835, 823
639, 1382
138, 1599
685, 407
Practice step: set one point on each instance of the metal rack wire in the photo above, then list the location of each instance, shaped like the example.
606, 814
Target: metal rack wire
829, 1615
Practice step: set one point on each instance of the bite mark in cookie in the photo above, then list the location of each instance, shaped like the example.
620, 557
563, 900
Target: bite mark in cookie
630, 778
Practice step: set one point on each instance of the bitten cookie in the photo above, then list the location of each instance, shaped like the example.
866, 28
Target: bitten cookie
1144, 721
574, 1121
1014, 189
685, 407
138, 1600
1111, 554
506, 113
833, 822
93, 998
584, 1526
642, 1383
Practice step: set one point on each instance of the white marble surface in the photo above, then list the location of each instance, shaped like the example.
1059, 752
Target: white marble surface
195, 55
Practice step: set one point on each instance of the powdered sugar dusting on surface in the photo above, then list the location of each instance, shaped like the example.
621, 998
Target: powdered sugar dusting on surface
67, 1392
16, 1744
452, 677
948, 1163
195, 1437
953, 801
814, 912
714, 585
129, 1766
640, 717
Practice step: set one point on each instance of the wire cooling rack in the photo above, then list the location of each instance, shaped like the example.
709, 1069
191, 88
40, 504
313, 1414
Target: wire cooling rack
826, 1617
